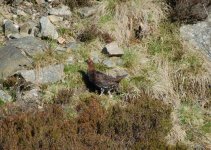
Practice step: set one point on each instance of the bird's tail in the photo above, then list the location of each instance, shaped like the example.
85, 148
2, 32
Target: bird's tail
119, 78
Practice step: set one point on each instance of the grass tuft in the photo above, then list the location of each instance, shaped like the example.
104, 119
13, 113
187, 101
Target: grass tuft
1, 102
50, 56
130, 58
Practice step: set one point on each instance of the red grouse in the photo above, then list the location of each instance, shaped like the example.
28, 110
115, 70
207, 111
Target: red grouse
102, 81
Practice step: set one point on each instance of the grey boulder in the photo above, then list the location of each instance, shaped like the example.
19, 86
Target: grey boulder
112, 49
48, 29
10, 28
49, 74
199, 35
12, 60
29, 45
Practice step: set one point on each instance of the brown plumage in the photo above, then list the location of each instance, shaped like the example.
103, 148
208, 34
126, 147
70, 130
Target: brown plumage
102, 81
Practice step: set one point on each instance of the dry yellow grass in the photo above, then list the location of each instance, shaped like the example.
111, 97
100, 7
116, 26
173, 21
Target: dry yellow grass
121, 18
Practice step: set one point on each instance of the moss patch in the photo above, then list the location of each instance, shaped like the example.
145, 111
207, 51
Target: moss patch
1, 102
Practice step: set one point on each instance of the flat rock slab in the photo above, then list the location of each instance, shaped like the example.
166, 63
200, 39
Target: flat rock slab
199, 35
5, 97
48, 29
49, 74
12, 60
112, 49
30, 45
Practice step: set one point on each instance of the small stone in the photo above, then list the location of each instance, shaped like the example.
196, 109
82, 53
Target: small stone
5, 97
48, 29
10, 28
87, 11
60, 11
112, 49
49, 74
61, 40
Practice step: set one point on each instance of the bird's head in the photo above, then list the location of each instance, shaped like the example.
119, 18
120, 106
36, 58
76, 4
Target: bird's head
89, 61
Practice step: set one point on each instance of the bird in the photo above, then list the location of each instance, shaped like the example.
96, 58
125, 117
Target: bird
102, 81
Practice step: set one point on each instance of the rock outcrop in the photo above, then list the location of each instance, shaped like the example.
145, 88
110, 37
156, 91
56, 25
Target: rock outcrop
189, 11
12, 60
199, 35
